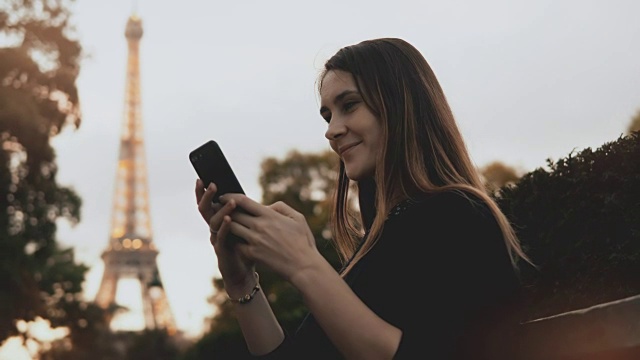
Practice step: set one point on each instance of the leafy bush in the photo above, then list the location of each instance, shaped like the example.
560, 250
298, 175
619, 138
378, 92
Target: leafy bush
579, 220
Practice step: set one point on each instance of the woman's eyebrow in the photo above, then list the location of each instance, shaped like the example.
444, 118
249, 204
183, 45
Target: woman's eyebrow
339, 98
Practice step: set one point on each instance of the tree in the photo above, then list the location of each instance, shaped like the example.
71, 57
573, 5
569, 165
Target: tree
579, 221
39, 64
305, 182
497, 174
152, 345
634, 125
90, 337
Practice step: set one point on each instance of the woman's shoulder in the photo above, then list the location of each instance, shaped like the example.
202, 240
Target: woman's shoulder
457, 202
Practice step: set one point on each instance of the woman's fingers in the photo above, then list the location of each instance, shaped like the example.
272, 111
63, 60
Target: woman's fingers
243, 202
199, 190
209, 194
224, 228
204, 198
284, 209
216, 221
238, 228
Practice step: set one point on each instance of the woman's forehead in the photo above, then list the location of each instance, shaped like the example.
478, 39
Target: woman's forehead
335, 82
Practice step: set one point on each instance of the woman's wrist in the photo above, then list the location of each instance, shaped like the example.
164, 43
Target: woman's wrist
310, 273
243, 288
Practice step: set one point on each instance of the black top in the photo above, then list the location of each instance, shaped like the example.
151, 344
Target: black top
441, 273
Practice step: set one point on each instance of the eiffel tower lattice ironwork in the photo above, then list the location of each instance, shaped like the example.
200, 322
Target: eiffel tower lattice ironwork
131, 252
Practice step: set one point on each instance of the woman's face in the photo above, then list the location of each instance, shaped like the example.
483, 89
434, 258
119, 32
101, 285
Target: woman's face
354, 132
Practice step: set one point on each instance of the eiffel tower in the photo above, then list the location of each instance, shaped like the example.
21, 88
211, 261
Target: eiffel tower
131, 252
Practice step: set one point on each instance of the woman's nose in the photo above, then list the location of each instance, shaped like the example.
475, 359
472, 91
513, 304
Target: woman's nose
335, 130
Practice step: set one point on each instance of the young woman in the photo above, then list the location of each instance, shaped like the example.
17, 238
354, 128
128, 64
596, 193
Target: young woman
433, 275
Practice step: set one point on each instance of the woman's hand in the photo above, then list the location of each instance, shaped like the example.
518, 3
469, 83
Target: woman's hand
277, 236
236, 269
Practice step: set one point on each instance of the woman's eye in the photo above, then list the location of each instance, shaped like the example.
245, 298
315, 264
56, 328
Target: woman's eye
349, 105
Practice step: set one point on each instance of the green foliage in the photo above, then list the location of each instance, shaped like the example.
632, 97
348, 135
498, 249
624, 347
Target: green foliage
579, 220
152, 345
497, 174
305, 182
99, 343
90, 337
634, 125
39, 64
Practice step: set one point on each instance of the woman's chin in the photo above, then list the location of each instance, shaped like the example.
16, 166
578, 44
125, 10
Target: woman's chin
354, 176
357, 175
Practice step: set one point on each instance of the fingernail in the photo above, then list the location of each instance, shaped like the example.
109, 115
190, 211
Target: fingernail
210, 186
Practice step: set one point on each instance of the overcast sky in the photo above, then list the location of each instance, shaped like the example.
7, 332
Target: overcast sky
527, 81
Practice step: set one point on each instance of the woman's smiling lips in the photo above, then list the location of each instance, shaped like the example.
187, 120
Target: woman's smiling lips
344, 148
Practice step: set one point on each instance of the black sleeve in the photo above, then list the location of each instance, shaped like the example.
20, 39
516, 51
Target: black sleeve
451, 275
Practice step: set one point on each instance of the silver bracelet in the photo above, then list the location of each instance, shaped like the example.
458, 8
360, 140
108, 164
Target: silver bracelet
248, 297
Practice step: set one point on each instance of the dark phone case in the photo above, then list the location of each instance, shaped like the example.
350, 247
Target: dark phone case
212, 166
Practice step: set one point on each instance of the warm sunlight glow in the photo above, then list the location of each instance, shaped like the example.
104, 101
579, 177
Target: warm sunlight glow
129, 295
39, 336
13, 349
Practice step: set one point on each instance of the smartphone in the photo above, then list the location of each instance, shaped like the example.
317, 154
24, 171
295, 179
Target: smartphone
212, 166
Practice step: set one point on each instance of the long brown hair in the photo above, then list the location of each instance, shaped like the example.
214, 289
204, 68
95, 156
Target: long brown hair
423, 151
